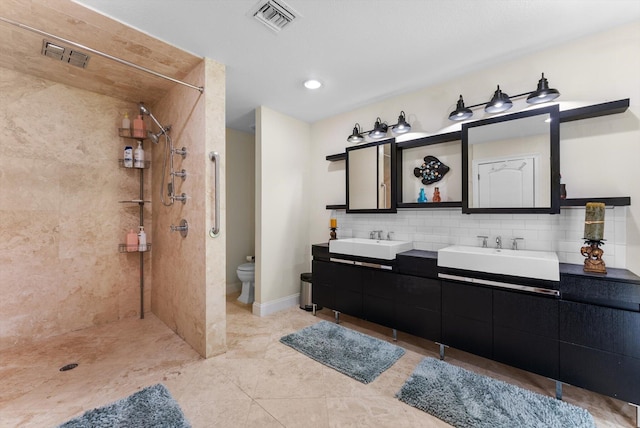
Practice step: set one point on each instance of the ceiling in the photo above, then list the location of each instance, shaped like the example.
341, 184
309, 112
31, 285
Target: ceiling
362, 50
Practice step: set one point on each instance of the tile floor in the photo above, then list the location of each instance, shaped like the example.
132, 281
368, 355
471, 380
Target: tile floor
258, 383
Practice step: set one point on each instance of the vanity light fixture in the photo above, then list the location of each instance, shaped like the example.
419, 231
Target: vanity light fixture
502, 102
380, 129
356, 136
543, 94
461, 112
499, 102
402, 126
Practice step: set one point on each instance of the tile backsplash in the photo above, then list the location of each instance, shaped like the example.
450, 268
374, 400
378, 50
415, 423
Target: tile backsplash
437, 228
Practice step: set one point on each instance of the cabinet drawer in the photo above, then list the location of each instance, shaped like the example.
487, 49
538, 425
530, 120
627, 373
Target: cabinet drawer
379, 283
609, 374
338, 275
530, 352
467, 301
467, 334
418, 321
378, 310
419, 292
607, 329
527, 313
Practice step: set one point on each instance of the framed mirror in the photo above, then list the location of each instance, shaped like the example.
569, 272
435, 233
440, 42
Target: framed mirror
511, 163
371, 168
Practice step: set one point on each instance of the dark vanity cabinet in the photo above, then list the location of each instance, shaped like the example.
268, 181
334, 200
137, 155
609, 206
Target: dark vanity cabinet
338, 286
418, 306
525, 331
600, 333
378, 295
384, 296
467, 312
583, 330
516, 328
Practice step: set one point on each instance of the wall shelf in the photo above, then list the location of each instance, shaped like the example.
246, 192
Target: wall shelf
147, 164
122, 248
428, 205
622, 201
337, 207
337, 157
595, 110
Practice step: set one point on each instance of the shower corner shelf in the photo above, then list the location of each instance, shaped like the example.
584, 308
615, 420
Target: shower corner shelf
134, 201
147, 165
128, 133
122, 248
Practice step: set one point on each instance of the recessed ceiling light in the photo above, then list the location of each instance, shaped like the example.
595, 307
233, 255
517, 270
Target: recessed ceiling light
312, 84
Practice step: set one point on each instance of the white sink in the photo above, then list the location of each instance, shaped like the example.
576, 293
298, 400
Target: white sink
529, 264
373, 248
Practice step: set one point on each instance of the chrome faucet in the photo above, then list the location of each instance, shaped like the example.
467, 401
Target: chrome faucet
498, 242
375, 234
484, 240
514, 244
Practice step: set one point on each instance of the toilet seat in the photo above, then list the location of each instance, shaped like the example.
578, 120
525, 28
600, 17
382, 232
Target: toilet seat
247, 267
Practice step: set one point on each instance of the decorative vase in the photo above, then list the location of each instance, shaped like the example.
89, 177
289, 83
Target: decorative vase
422, 197
436, 195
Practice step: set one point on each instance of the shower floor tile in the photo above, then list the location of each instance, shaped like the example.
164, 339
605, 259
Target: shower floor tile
258, 382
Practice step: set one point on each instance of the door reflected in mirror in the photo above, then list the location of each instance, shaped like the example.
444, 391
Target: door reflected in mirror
511, 163
370, 172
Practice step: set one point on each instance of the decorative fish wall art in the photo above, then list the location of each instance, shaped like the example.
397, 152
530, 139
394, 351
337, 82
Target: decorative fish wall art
431, 171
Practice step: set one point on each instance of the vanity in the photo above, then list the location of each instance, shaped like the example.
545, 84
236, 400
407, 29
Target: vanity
582, 329
528, 310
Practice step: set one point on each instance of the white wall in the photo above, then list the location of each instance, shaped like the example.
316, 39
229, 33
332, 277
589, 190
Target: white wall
599, 157
241, 191
282, 208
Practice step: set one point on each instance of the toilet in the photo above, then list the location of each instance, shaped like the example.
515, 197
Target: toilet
246, 274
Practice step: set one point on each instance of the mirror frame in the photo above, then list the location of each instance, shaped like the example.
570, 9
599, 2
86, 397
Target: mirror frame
393, 178
554, 145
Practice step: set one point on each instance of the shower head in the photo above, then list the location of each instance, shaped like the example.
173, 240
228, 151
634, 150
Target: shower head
163, 130
155, 138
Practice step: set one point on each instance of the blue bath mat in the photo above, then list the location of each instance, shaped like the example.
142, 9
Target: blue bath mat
357, 355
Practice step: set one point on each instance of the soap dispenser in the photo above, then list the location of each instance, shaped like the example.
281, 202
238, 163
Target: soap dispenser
138, 156
131, 243
125, 131
142, 239
139, 127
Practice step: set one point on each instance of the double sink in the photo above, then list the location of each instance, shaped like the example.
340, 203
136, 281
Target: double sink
523, 263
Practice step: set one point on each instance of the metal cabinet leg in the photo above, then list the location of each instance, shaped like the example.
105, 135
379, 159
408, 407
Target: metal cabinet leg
337, 316
441, 350
395, 335
637, 406
559, 390
314, 308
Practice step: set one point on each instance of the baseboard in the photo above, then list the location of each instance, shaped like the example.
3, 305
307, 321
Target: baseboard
235, 287
268, 308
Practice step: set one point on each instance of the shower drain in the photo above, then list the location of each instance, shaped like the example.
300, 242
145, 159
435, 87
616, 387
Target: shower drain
68, 367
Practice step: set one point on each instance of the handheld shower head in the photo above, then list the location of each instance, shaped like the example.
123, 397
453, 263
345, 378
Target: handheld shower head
154, 137
144, 109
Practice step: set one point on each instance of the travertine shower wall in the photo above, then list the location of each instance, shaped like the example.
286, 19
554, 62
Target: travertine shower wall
189, 272
60, 219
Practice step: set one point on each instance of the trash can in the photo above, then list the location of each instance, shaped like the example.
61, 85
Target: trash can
306, 294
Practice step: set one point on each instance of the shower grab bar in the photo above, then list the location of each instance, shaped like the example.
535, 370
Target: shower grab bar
215, 230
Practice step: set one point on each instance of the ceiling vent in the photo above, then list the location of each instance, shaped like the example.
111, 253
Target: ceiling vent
276, 15
61, 53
